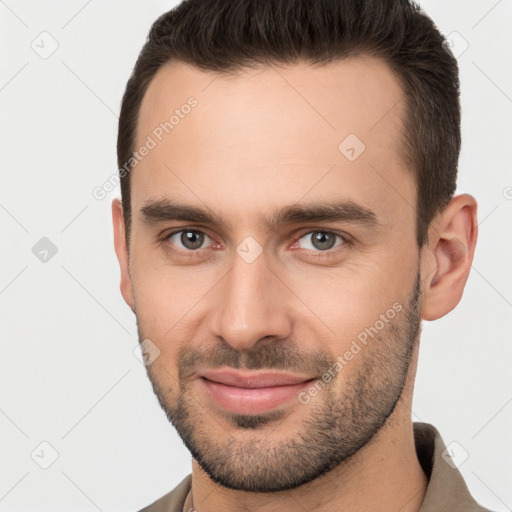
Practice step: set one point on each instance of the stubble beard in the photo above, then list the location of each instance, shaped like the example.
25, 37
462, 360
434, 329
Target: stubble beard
342, 418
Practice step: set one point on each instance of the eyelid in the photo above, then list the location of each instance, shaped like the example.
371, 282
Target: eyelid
167, 236
347, 240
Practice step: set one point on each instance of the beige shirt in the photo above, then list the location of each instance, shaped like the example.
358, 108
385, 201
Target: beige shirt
446, 489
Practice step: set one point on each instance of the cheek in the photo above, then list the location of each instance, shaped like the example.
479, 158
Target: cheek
355, 298
156, 299
170, 302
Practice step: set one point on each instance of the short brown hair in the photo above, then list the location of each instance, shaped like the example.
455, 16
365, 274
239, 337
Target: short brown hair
228, 35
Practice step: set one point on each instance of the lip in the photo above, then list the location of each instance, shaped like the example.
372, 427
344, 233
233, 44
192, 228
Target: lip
253, 379
252, 392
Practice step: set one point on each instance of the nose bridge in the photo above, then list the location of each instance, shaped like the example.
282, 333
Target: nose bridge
250, 305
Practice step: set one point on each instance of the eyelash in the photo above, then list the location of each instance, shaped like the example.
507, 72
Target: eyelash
319, 254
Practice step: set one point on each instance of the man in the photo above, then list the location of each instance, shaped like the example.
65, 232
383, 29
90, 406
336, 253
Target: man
288, 218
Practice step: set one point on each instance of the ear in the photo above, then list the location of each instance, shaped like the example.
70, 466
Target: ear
122, 252
447, 258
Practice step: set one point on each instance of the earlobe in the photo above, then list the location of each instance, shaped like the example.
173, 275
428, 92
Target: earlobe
122, 252
446, 262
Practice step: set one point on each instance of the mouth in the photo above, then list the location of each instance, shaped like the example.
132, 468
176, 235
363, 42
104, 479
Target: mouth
252, 392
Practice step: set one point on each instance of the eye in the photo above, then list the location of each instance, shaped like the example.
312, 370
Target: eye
188, 239
322, 241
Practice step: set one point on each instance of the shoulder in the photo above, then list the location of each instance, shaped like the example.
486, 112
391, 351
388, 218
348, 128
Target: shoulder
174, 500
446, 488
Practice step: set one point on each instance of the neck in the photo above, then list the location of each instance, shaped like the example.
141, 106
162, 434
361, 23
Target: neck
372, 480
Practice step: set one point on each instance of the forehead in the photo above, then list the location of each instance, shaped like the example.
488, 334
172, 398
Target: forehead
279, 132
356, 94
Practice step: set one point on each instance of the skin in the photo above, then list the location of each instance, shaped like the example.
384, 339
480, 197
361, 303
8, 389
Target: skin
259, 140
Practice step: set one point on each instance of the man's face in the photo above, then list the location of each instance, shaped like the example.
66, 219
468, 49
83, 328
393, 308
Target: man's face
312, 296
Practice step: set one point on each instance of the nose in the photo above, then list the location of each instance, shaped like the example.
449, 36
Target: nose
252, 303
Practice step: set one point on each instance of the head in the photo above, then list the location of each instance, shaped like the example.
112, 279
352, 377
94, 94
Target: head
288, 171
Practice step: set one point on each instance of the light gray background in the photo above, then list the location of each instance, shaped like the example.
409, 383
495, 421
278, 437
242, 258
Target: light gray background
68, 375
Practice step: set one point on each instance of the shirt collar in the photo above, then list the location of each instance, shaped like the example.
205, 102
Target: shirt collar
446, 488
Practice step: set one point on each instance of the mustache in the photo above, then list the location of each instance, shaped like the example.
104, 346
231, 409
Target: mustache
274, 355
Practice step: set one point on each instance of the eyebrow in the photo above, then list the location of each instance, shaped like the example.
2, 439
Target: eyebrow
164, 210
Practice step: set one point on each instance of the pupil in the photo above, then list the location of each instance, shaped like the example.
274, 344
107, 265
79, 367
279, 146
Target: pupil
323, 240
192, 239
